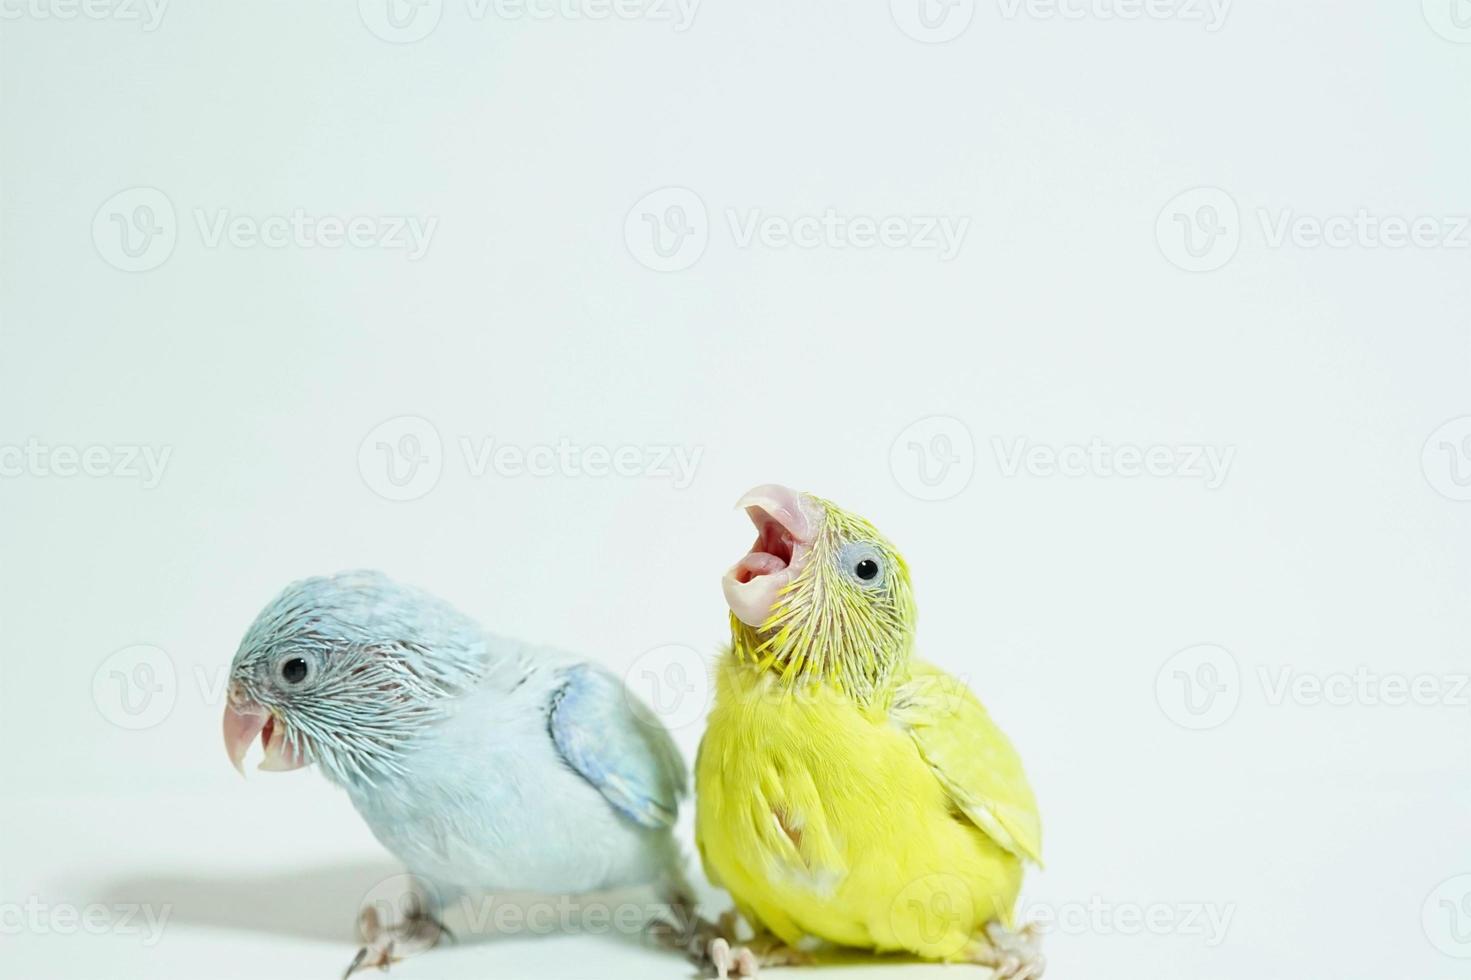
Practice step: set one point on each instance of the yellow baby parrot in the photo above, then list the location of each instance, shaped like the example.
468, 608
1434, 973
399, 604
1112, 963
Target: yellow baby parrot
848, 794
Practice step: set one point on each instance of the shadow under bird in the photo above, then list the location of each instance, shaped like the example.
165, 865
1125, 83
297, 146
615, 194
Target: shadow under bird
484, 764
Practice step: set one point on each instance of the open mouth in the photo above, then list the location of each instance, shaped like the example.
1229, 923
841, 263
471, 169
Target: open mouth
279, 756
783, 537
772, 551
241, 727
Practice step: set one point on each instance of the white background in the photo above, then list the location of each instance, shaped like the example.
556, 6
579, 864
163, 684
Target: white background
1328, 835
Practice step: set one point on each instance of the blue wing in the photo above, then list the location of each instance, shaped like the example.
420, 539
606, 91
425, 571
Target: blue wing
616, 743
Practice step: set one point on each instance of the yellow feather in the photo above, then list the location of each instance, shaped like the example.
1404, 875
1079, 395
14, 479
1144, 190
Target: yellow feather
882, 856
849, 793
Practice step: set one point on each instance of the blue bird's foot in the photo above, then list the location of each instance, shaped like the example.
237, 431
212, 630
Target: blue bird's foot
386, 945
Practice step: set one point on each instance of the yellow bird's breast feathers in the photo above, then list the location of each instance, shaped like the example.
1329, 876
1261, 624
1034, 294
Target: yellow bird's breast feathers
861, 826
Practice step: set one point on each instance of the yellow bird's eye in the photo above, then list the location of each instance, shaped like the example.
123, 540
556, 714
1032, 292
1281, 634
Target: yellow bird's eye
863, 563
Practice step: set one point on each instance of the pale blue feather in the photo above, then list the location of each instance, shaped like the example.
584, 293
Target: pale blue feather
483, 763
617, 744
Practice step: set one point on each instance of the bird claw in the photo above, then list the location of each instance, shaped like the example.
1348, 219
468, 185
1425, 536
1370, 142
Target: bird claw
1013, 955
383, 947
746, 960
375, 954
737, 962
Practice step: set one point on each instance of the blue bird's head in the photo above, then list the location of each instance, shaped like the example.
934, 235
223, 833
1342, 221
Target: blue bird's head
342, 671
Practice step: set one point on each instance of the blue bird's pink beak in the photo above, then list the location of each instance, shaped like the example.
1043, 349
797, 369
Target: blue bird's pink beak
243, 722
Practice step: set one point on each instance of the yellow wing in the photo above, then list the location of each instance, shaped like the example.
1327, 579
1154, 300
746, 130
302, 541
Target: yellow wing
970, 757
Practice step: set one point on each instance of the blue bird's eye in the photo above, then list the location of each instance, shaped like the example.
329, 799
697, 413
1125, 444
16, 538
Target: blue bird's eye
294, 671
867, 569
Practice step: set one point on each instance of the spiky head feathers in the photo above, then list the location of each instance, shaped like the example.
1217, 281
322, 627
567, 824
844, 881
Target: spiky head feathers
346, 669
822, 595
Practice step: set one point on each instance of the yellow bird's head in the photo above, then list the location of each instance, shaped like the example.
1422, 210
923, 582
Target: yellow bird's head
821, 595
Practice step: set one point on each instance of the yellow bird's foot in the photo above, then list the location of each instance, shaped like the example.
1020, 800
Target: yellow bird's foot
1011, 955
386, 945
746, 960
728, 962
684, 930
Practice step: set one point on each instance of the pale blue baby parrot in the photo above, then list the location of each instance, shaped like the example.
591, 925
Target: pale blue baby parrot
484, 764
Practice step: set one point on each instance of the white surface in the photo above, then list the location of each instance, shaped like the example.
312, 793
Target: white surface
1323, 830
